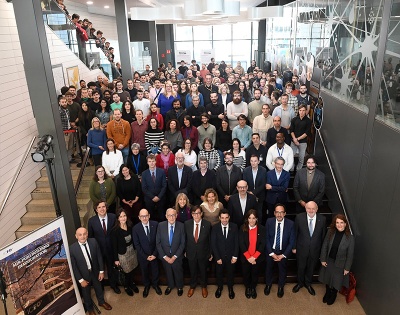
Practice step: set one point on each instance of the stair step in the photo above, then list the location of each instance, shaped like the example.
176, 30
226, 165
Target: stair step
44, 181
45, 193
25, 229
74, 171
48, 204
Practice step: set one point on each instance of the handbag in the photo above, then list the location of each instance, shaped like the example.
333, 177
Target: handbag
350, 292
120, 275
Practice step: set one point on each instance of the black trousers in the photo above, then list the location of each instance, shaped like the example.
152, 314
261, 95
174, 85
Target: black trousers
174, 273
150, 272
250, 274
270, 268
156, 209
111, 272
305, 268
198, 272
229, 270
98, 289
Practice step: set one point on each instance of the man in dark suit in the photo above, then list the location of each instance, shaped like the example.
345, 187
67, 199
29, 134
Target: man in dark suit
144, 239
256, 178
154, 186
87, 265
240, 203
202, 179
170, 240
179, 177
310, 229
308, 185
198, 250
277, 185
99, 228
225, 248
228, 176
280, 241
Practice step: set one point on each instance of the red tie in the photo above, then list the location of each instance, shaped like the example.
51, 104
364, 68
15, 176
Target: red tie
196, 233
153, 177
104, 227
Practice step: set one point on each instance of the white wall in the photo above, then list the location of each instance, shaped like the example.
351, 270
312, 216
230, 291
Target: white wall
17, 123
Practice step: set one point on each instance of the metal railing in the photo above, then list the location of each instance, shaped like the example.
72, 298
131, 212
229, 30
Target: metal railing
334, 180
14, 180
85, 159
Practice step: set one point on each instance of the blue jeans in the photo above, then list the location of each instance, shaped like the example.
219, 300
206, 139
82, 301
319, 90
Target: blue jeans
125, 153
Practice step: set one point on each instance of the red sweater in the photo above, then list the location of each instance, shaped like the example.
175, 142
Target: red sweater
251, 251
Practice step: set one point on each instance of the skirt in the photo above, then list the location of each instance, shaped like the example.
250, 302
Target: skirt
128, 261
333, 276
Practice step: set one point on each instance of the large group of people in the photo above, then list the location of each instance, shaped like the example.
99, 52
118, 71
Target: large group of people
210, 164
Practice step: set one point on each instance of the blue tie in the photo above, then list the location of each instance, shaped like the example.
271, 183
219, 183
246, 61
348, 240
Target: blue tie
278, 238
171, 235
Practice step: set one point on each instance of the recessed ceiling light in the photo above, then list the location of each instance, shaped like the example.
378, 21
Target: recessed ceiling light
89, 2
106, 7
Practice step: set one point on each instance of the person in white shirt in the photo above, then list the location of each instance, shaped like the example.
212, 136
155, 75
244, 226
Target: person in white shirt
280, 148
142, 103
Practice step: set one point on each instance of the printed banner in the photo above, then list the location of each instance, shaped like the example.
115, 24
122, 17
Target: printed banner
185, 55
38, 274
206, 55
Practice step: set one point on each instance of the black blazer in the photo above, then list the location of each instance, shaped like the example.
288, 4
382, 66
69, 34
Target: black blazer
225, 248
143, 245
95, 230
142, 164
260, 245
317, 187
200, 250
261, 179
118, 241
78, 262
235, 209
173, 182
223, 182
197, 189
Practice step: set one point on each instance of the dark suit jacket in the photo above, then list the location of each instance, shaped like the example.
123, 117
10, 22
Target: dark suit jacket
196, 188
143, 245
288, 237
304, 244
261, 179
317, 187
235, 210
173, 182
344, 256
223, 181
150, 189
78, 261
200, 250
225, 248
278, 192
178, 241
95, 230
244, 243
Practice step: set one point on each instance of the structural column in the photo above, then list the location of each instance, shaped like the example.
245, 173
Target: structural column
39, 76
121, 16
153, 45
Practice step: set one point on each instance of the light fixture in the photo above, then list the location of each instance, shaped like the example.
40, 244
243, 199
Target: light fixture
106, 7
89, 2
43, 146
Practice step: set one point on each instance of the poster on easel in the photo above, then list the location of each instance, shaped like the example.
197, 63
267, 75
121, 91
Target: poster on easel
206, 55
185, 55
38, 273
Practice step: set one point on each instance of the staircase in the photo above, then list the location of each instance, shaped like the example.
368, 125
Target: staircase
41, 210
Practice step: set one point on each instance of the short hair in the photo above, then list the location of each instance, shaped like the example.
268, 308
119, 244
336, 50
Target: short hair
75, 16
202, 159
302, 106
255, 134
209, 140
135, 146
228, 153
311, 157
241, 116
223, 211
96, 204
289, 84
279, 158
280, 205
150, 157
205, 115
194, 208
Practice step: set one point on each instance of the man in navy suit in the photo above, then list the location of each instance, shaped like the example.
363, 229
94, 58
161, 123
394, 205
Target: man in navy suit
225, 248
240, 203
170, 241
144, 240
154, 186
280, 241
179, 177
99, 228
87, 264
277, 185
256, 177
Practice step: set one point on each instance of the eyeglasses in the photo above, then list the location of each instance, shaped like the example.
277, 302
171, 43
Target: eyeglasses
196, 213
241, 187
279, 212
171, 215
143, 216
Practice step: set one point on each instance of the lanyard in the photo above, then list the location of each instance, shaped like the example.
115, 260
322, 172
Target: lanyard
280, 152
136, 165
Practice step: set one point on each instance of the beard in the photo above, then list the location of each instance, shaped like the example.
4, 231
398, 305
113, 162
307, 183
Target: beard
237, 100
229, 163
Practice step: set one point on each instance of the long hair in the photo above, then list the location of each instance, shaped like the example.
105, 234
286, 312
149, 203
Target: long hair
332, 227
245, 226
190, 149
209, 191
95, 177
180, 195
180, 89
238, 141
150, 129
117, 214
132, 110
107, 150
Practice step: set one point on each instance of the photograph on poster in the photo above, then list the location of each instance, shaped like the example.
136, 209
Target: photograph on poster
73, 76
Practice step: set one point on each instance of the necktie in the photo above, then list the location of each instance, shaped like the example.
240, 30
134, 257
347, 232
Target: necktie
153, 177
196, 233
278, 238
90, 258
148, 232
225, 231
104, 227
171, 235
310, 228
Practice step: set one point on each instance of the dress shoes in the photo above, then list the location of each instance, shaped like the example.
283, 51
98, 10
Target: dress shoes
267, 290
204, 292
297, 288
92, 313
116, 290
310, 289
134, 287
129, 291
167, 291
327, 294
231, 293
146, 291
218, 292
248, 293
106, 306
332, 297
157, 289
281, 292
253, 294
180, 292
190, 292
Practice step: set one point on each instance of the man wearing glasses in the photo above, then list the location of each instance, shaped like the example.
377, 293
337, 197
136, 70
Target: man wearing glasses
240, 203
144, 239
198, 250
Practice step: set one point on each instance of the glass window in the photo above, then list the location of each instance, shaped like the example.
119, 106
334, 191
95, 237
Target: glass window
203, 32
241, 30
241, 51
223, 50
255, 30
184, 46
198, 47
223, 32
183, 33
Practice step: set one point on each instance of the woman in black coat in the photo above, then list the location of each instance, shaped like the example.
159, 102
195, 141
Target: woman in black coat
252, 242
202, 179
136, 161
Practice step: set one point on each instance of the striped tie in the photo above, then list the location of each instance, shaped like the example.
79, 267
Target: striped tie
278, 238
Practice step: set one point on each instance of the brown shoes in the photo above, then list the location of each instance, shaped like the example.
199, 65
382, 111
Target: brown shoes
92, 313
204, 292
190, 292
106, 306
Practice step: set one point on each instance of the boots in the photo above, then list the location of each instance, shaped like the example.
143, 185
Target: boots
326, 296
332, 296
